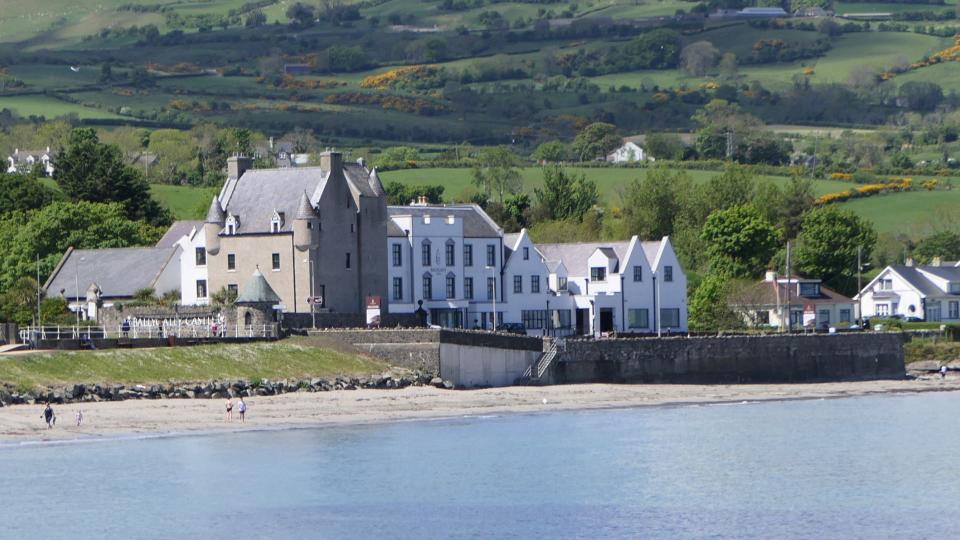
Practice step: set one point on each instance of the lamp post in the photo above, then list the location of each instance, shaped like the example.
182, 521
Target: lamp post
76, 277
313, 310
494, 274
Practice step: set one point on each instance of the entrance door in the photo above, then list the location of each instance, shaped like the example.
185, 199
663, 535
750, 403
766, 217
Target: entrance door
582, 315
606, 319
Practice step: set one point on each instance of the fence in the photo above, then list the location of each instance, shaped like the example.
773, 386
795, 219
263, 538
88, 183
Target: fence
32, 334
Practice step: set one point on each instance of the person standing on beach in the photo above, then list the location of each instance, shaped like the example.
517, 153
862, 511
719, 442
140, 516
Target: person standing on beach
242, 409
79, 417
48, 416
943, 372
229, 415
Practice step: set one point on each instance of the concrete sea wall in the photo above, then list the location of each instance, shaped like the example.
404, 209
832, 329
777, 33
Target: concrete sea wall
733, 359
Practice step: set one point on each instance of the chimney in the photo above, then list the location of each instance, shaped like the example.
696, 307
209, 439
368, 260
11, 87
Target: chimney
237, 165
362, 163
908, 262
770, 276
935, 262
331, 160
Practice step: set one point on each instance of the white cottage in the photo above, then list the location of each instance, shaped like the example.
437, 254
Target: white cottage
930, 292
630, 151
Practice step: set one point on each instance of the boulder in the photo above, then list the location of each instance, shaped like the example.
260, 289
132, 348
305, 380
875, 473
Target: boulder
448, 385
924, 365
437, 382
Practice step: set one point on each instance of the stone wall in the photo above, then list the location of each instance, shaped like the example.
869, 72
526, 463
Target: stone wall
734, 359
348, 320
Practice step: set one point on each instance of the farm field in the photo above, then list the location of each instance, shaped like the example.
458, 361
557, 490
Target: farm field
912, 214
186, 202
51, 108
842, 8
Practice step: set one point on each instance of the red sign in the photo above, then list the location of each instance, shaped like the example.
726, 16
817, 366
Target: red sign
373, 302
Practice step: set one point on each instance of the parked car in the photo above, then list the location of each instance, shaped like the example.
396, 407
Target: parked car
513, 328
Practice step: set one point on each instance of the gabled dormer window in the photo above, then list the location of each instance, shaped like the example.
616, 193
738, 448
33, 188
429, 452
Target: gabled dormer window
809, 290
276, 222
232, 223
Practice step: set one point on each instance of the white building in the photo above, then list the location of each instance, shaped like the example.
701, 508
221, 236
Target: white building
807, 301
630, 151
189, 237
930, 292
458, 263
23, 161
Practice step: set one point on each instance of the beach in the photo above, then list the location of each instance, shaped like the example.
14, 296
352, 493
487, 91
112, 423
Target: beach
160, 417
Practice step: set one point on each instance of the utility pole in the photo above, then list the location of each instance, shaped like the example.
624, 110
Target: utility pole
859, 285
38, 290
789, 280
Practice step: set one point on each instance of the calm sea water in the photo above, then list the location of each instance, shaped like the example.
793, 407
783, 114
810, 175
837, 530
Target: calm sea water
873, 467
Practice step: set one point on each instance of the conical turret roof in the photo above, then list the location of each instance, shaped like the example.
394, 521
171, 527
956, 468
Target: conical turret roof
257, 290
305, 209
216, 213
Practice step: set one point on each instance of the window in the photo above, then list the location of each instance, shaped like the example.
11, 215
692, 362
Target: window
824, 316
451, 286
348, 261
526, 254
427, 286
277, 222
883, 310
231, 261
667, 273
598, 273
886, 284
232, 289
561, 318
468, 288
638, 273
275, 261
449, 253
491, 287
491, 255
425, 253
398, 288
810, 290
534, 284
232, 223
201, 288
467, 255
351, 227
638, 318
845, 315
954, 288
517, 284
561, 283
954, 309
397, 254
534, 319
201, 254
669, 317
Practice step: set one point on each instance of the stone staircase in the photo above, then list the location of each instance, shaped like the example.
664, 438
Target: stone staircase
533, 376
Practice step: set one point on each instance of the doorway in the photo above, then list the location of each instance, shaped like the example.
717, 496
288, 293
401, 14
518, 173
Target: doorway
606, 319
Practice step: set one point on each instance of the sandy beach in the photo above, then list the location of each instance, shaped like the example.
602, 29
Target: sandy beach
23, 423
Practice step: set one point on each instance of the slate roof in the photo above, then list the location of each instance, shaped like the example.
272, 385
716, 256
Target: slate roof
949, 273
476, 222
765, 293
178, 230
119, 272
917, 280
575, 256
394, 230
258, 290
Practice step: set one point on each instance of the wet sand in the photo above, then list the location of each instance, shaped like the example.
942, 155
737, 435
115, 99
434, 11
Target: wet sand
23, 423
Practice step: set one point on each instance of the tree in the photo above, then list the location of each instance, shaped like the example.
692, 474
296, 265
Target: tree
739, 240
829, 28
49, 231
723, 126
255, 18
400, 194
175, 151
665, 146
92, 171
106, 73
921, 96
301, 15
550, 152
497, 172
651, 204
565, 196
19, 302
398, 157
516, 209
223, 297
828, 243
945, 244
709, 305
797, 200
22, 192
656, 49
595, 141
55, 310
141, 78
698, 57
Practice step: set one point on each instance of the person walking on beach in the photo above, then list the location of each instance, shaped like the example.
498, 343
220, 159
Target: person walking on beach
79, 417
48, 416
943, 372
229, 415
242, 409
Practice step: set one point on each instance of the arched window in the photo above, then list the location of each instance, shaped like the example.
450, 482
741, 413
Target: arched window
247, 318
425, 253
276, 222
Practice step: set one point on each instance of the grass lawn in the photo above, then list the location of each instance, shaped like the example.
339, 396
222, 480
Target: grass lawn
186, 202
940, 350
50, 108
842, 8
914, 213
289, 358
609, 180
946, 75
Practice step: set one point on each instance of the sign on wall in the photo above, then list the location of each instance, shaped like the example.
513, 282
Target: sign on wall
373, 310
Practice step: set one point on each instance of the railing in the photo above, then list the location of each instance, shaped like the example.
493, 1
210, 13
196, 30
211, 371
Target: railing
32, 334
535, 371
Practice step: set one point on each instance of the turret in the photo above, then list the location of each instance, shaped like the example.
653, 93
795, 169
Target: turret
303, 227
213, 225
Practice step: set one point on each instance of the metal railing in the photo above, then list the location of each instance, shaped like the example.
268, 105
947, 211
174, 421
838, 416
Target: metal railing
536, 370
32, 334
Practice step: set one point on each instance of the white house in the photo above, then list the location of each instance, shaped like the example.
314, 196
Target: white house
930, 292
630, 151
23, 161
189, 237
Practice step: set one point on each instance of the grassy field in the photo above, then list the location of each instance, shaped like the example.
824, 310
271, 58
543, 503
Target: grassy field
289, 358
928, 349
842, 8
185, 202
610, 181
914, 213
51, 108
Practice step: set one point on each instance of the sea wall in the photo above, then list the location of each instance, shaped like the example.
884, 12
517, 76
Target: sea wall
734, 359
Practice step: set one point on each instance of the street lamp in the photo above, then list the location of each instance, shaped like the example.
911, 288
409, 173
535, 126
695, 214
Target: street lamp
76, 277
313, 311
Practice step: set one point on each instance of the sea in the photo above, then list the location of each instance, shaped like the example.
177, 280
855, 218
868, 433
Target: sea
863, 467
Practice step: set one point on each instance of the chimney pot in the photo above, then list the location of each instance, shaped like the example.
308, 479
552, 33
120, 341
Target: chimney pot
935, 262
